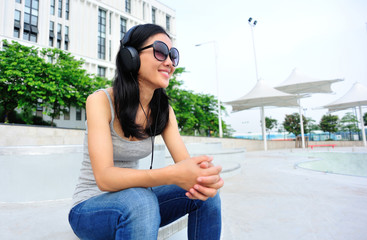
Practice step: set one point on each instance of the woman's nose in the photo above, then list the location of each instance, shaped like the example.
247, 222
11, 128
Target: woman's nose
168, 62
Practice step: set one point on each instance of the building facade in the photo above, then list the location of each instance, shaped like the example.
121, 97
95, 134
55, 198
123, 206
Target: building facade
88, 29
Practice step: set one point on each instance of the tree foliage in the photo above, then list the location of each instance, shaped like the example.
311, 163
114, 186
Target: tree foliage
329, 123
20, 70
50, 78
292, 124
365, 118
349, 123
270, 123
195, 113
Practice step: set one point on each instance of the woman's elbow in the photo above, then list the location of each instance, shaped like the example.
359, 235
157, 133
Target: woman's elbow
103, 185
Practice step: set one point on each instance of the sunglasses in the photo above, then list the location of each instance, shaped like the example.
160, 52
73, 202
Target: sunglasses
161, 52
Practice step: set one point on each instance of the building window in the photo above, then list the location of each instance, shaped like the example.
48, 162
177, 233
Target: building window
153, 15
78, 116
59, 36
168, 23
122, 28
101, 34
18, 1
128, 6
109, 51
59, 7
39, 109
51, 34
52, 7
16, 24
110, 23
101, 71
66, 113
67, 9
30, 20
66, 43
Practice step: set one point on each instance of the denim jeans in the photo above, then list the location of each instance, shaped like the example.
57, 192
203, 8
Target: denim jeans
137, 213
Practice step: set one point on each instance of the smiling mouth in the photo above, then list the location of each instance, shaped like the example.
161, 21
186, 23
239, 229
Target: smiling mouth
165, 72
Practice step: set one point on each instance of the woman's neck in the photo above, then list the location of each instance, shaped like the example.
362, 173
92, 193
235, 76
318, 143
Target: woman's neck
146, 95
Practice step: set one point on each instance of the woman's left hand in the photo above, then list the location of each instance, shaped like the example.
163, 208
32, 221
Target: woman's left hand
207, 186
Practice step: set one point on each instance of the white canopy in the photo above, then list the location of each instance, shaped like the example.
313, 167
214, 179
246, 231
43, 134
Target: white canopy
260, 96
299, 83
355, 97
303, 85
263, 95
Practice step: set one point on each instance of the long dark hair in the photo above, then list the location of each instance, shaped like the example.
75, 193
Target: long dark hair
127, 96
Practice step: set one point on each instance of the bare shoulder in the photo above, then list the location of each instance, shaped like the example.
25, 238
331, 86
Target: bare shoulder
97, 96
98, 102
171, 112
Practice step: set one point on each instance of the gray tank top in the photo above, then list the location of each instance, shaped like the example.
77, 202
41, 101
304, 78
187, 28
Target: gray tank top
125, 155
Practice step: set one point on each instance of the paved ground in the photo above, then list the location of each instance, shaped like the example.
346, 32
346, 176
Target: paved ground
268, 199
271, 199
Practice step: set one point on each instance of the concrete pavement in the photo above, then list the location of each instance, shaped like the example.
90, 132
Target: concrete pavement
272, 199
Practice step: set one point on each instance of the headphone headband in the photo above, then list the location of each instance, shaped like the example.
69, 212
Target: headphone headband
127, 36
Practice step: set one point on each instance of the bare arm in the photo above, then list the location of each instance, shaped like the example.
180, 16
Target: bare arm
205, 186
173, 140
111, 178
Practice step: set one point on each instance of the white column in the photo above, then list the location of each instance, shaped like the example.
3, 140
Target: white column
301, 122
263, 128
362, 122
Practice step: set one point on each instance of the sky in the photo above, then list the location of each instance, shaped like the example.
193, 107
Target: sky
323, 39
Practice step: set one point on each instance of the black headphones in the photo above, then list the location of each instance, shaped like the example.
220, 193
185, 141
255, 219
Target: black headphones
129, 56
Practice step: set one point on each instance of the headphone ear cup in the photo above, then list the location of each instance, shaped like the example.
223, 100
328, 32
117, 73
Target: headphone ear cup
129, 59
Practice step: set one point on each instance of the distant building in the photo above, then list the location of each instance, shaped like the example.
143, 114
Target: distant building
89, 29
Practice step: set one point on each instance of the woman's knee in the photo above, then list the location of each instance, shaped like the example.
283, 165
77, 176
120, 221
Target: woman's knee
142, 206
212, 204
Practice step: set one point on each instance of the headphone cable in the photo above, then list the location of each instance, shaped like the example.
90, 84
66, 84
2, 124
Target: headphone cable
152, 136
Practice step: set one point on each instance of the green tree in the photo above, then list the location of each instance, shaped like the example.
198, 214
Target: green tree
349, 123
270, 123
329, 123
27, 80
292, 124
195, 112
365, 119
66, 84
20, 70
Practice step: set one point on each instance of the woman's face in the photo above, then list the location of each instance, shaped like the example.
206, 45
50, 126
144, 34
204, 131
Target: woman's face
154, 73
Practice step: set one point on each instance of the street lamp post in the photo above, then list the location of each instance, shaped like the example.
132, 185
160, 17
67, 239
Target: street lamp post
252, 25
262, 113
217, 80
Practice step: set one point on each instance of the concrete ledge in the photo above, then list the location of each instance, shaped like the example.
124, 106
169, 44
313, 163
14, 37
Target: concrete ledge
20, 135
48, 220
172, 228
40, 150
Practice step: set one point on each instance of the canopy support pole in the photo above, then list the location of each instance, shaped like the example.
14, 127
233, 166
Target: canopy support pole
301, 122
263, 128
362, 122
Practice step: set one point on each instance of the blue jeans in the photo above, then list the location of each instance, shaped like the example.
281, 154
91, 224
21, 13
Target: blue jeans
137, 213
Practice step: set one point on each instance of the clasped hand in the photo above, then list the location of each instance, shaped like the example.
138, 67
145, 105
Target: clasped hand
199, 177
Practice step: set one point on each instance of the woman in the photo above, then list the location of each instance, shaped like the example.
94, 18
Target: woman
114, 199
